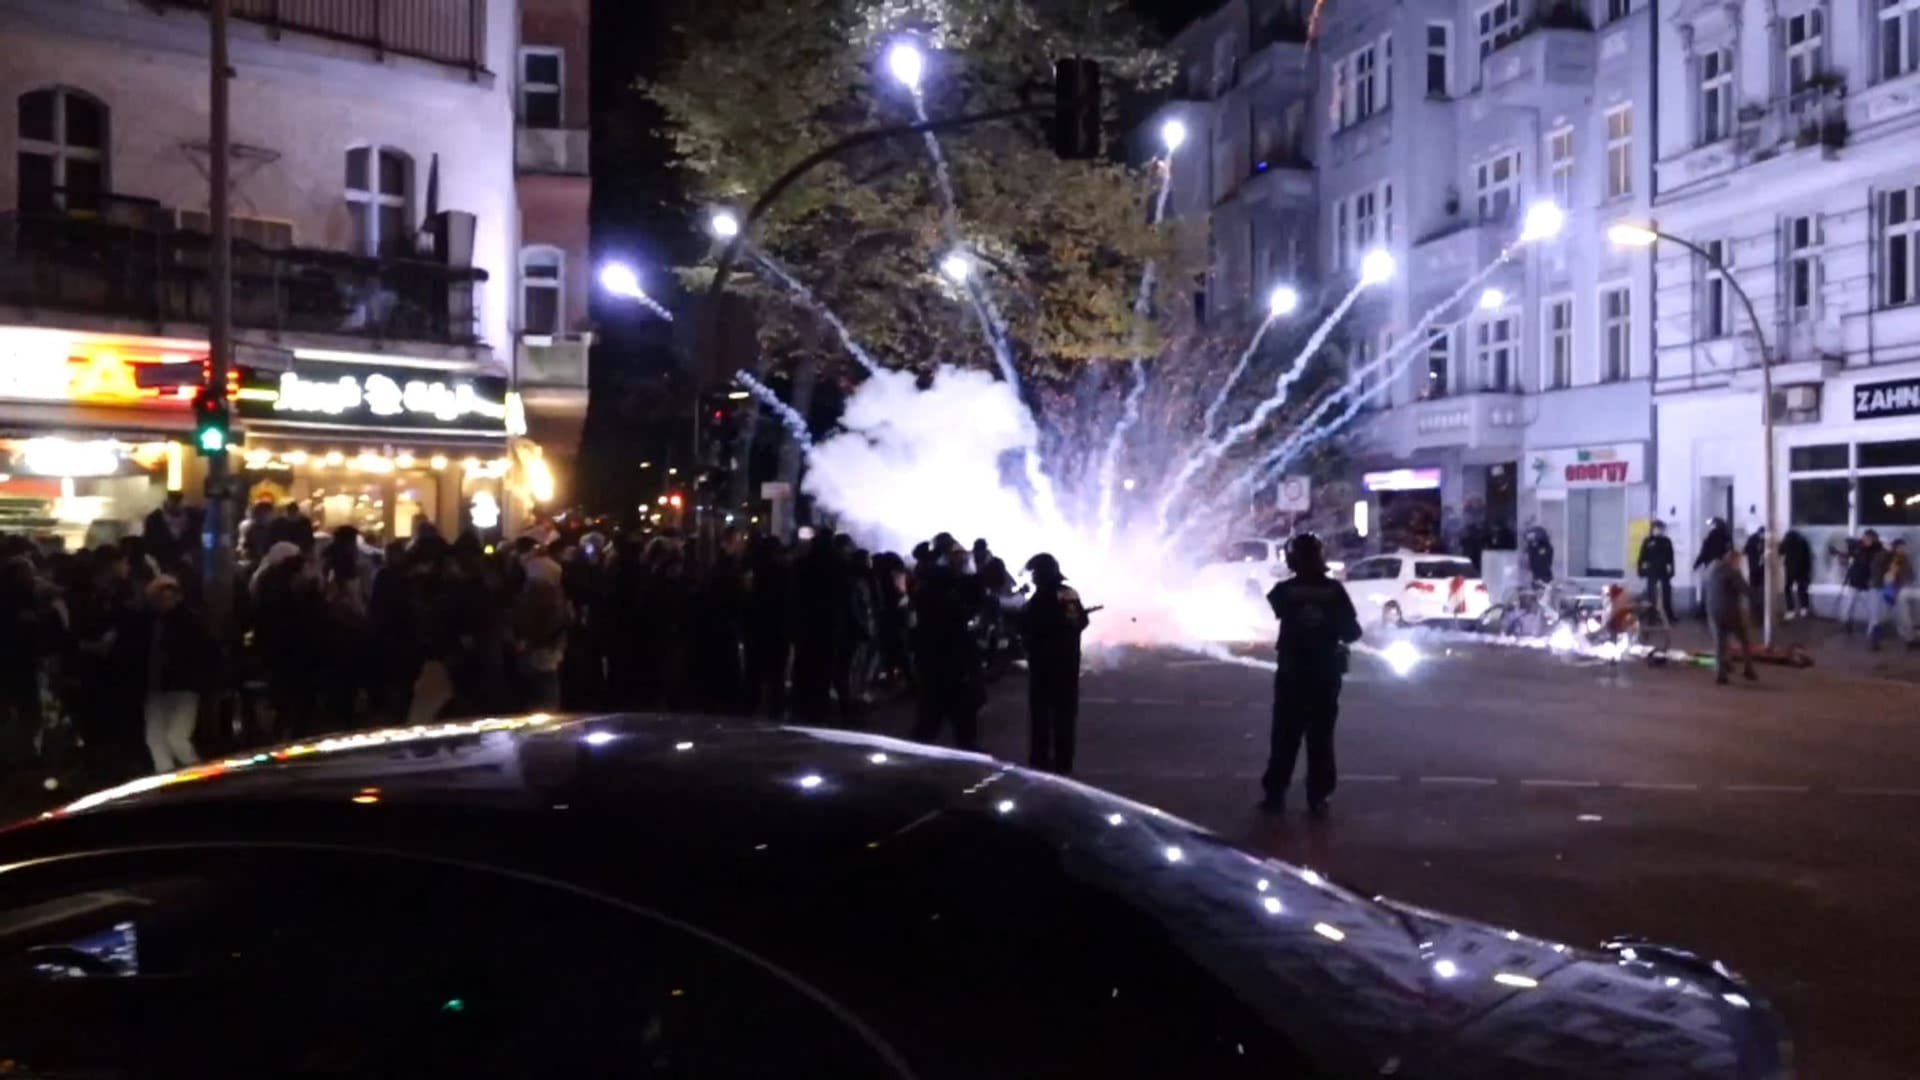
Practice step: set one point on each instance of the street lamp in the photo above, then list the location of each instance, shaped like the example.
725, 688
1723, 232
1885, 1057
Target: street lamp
1376, 266
957, 267
906, 64
1544, 221
1627, 234
1492, 299
724, 224
1173, 133
1283, 300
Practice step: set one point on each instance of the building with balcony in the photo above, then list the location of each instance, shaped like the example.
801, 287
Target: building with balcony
1786, 153
376, 264
552, 338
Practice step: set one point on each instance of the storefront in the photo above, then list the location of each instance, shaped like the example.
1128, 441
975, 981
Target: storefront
1594, 503
382, 449
1858, 469
91, 431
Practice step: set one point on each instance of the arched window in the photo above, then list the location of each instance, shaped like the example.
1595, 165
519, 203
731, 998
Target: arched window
380, 200
542, 289
63, 150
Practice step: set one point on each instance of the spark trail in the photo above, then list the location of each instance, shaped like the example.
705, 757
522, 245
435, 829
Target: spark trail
1239, 368
984, 309
1211, 454
795, 424
807, 297
1137, 368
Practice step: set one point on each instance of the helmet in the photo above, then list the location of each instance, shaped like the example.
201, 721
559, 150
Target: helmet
1044, 565
1306, 554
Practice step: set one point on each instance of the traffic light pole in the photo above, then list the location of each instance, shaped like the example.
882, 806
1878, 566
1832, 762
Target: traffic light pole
217, 533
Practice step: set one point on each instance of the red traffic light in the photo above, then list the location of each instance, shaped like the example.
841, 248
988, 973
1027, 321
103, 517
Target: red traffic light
674, 500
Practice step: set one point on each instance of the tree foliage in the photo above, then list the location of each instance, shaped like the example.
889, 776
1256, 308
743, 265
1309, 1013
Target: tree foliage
752, 87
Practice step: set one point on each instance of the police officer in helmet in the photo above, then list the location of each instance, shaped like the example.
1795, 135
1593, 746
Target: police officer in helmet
1317, 624
1050, 625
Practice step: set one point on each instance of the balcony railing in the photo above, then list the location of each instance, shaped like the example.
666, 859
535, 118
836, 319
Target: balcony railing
91, 265
444, 31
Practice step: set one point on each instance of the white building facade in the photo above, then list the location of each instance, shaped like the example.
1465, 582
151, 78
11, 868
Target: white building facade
377, 246
1790, 148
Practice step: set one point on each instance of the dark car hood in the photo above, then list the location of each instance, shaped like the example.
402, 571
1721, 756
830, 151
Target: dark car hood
1395, 990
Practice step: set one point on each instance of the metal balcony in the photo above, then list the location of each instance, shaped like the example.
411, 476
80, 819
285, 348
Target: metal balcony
452, 32
552, 151
90, 264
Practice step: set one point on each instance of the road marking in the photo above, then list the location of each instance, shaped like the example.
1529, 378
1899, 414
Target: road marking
1561, 783
1369, 778
1771, 789
1218, 703
1162, 702
1896, 792
1479, 781
1100, 701
1639, 785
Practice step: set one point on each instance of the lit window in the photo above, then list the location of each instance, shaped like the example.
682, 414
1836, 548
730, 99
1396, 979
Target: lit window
62, 150
380, 200
542, 290
540, 93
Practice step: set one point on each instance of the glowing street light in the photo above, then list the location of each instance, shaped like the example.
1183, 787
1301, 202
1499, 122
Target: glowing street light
623, 281
1492, 299
1376, 267
1283, 300
1544, 221
724, 224
957, 267
906, 64
1173, 133
1628, 235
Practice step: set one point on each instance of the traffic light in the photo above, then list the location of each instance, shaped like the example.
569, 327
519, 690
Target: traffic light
212, 424
1076, 109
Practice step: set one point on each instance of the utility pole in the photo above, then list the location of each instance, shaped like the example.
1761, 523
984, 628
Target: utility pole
217, 534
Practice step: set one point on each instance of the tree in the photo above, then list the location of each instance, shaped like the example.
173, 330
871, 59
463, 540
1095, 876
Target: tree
750, 88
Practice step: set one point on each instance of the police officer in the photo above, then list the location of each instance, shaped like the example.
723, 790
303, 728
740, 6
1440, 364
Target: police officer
1050, 625
1317, 623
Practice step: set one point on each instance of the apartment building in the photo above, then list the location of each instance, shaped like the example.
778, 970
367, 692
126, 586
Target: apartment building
378, 261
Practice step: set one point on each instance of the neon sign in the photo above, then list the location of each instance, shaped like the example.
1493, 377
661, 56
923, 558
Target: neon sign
393, 399
51, 365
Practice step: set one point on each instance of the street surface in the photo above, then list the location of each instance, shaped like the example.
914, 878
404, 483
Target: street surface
1773, 826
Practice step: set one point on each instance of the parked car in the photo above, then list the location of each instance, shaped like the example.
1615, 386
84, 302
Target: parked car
679, 897
1405, 588
1258, 563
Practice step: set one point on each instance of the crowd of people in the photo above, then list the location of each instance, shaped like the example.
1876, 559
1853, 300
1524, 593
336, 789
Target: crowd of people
110, 663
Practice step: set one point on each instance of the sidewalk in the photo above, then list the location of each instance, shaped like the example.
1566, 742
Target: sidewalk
1833, 650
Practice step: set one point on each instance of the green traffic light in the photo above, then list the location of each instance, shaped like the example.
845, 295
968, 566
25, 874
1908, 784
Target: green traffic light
213, 440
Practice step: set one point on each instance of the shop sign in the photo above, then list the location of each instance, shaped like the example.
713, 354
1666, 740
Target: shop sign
1617, 465
1402, 480
393, 398
1882, 400
50, 365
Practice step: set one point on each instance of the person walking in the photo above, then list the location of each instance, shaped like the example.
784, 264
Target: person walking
179, 653
1317, 624
1755, 551
1892, 580
1796, 573
1656, 567
1050, 623
1860, 564
1727, 594
1713, 549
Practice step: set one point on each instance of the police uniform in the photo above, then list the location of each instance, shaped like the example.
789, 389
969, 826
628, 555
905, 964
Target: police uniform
1050, 625
1317, 623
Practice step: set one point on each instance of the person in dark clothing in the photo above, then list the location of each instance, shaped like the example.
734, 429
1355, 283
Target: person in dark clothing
1796, 573
853, 666
1713, 549
946, 601
1050, 625
718, 618
393, 613
179, 658
1539, 555
167, 531
819, 624
289, 620
1656, 567
29, 632
768, 622
1860, 579
1755, 551
1317, 624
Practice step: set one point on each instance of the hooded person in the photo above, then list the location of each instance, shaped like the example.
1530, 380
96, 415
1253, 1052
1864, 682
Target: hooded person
540, 619
1051, 623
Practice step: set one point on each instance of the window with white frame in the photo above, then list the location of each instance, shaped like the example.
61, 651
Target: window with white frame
1383, 79
1899, 32
1497, 182
1439, 58
1366, 220
1900, 244
1498, 25
1362, 83
1361, 221
541, 97
1560, 166
62, 151
1801, 238
1439, 364
1342, 234
1494, 338
1716, 292
542, 290
1619, 151
1716, 95
1557, 350
1616, 333
1802, 41
380, 200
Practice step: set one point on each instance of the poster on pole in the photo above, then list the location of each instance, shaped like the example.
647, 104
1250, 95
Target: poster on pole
1295, 495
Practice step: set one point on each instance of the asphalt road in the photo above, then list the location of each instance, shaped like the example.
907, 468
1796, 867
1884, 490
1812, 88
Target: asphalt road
1774, 826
